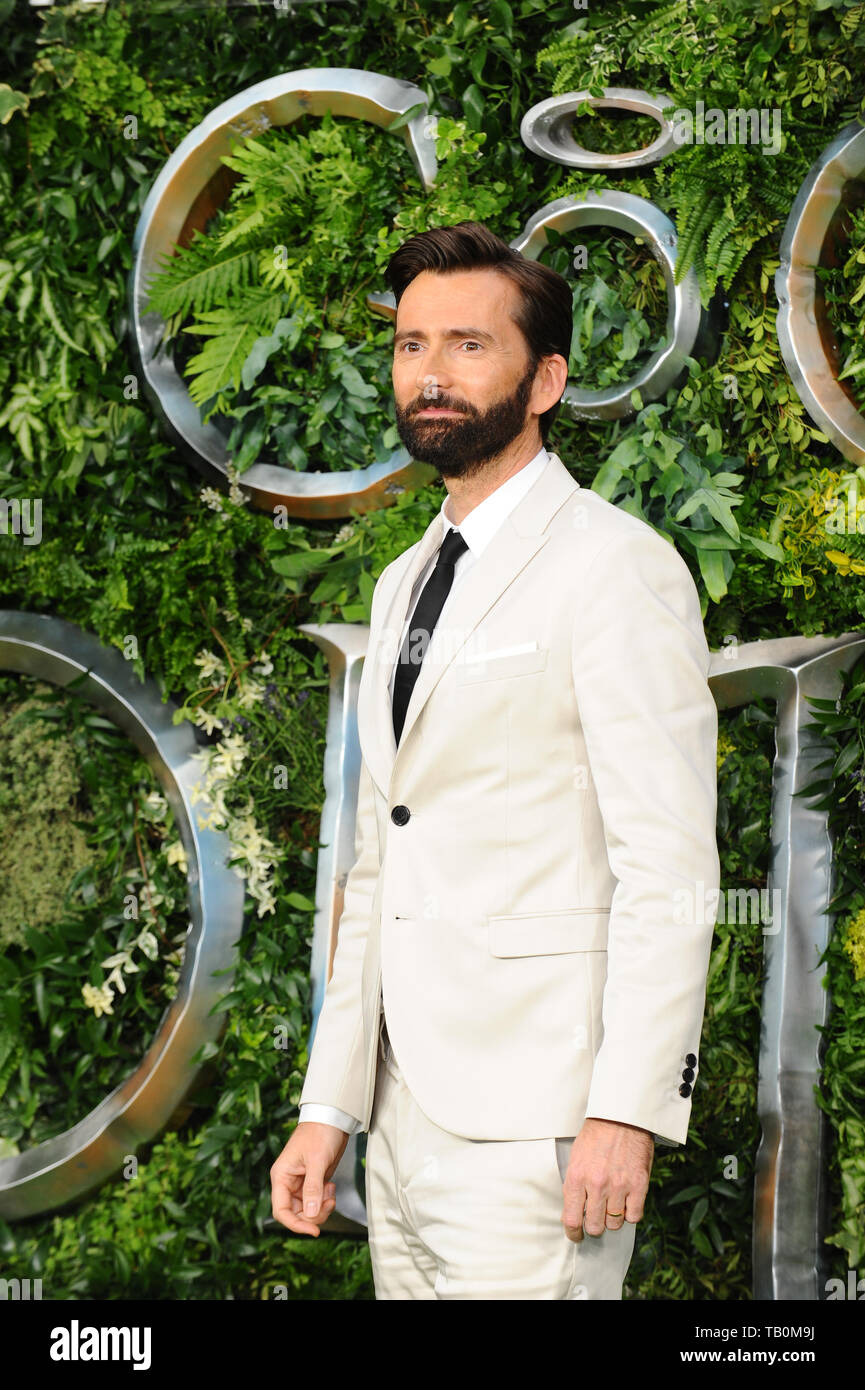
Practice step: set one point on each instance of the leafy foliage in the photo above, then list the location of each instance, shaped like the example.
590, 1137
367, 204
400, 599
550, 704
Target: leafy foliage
116, 894
844, 291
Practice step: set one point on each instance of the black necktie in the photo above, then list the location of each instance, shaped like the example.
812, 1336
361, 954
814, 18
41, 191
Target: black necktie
424, 619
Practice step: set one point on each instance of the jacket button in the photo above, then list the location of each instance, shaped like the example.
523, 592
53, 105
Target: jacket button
690, 1060
400, 815
687, 1074
684, 1089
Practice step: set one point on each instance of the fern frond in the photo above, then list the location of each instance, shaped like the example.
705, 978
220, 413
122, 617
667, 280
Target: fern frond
718, 242
261, 307
852, 21
192, 279
8, 1059
273, 169
219, 363
693, 232
249, 224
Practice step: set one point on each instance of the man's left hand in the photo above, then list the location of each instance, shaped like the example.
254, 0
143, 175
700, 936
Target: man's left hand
607, 1178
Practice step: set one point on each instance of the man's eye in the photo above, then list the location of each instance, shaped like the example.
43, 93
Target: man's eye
469, 342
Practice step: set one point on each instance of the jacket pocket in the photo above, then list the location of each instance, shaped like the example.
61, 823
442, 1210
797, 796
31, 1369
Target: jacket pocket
497, 667
549, 933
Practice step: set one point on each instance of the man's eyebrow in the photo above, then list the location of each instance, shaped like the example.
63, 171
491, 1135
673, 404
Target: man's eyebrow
450, 333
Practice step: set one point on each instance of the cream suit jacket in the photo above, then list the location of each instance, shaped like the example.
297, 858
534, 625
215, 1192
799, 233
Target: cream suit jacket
537, 872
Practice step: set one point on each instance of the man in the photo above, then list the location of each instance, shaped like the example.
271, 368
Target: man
518, 987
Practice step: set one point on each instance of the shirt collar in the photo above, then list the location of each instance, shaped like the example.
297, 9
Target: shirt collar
482, 522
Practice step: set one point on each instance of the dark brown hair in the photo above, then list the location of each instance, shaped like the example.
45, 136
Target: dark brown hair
545, 314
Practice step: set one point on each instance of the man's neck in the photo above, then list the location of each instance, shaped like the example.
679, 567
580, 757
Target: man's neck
464, 494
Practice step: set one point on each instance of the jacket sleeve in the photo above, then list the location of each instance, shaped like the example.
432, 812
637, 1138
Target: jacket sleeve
335, 1075
640, 667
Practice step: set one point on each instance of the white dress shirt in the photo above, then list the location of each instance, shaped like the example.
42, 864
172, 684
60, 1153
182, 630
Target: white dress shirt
477, 529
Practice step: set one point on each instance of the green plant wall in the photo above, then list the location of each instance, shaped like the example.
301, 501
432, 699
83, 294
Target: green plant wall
206, 596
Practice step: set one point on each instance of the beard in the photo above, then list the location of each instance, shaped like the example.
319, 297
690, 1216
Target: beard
460, 447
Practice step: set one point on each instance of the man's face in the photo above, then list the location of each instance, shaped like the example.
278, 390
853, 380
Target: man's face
462, 377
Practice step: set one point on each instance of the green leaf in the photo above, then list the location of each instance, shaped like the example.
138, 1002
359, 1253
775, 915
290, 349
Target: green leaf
502, 17
227, 1001
701, 1206
39, 992
712, 570
301, 563
767, 548
298, 900
353, 381
687, 1194
473, 105
847, 758
407, 117
263, 348
10, 102
51, 315
251, 446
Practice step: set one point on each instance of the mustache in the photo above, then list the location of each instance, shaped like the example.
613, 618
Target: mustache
438, 405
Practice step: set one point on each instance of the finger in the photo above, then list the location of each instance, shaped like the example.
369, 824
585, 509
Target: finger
308, 1226
635, 1206
313, 1188
285, 1194
572, 1212
291, 1215
616, 1206
595, 1214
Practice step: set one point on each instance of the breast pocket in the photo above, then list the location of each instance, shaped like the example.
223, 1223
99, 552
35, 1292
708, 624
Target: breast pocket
493, 667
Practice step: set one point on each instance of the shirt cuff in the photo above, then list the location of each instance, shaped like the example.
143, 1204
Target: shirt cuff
329, 1115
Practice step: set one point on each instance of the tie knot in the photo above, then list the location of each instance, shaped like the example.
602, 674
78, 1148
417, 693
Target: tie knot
451, 548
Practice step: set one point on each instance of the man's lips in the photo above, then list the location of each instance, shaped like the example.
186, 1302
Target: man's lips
434, 410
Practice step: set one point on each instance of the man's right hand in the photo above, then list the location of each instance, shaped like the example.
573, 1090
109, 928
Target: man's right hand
302, 1197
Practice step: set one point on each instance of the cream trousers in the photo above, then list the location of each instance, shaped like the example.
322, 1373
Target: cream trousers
455, 1218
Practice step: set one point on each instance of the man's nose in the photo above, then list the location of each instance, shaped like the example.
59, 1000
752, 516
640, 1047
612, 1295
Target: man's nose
433, 374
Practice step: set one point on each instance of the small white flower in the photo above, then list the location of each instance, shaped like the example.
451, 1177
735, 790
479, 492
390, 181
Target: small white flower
155, 804
99, 1000
206, 721
210, 664
212, 498
176, 854
250, 694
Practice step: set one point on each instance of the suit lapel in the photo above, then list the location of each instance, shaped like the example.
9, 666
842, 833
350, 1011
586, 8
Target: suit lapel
374, 708
520, 537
